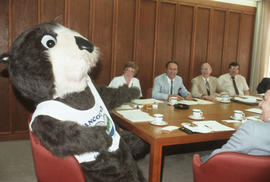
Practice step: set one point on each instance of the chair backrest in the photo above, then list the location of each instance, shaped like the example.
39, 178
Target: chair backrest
149, 93
263, 86
50, 168
232, 167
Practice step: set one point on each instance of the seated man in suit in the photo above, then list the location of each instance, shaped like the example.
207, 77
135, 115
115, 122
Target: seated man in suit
169, 84
205, 86
233, 82
252, 137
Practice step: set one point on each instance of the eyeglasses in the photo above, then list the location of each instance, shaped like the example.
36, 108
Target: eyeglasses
235, 69
131, 70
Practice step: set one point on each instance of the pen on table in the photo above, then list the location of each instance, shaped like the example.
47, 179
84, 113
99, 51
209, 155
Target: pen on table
208, 127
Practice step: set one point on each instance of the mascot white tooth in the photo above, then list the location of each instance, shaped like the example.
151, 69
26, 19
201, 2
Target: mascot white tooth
49, 64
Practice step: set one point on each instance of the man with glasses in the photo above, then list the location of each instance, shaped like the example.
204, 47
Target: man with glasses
233, 83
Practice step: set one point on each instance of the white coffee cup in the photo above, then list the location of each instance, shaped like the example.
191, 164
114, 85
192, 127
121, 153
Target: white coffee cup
158, 117
154, 105
197, 113
138, 106
238, 114
172, 100
225, 98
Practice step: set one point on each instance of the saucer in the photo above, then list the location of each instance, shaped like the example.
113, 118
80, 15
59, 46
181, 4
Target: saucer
195, 118
159, 123
232, 117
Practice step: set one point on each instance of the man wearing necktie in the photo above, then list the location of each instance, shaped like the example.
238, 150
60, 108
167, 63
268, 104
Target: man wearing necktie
205, 86
169, 84
234, 83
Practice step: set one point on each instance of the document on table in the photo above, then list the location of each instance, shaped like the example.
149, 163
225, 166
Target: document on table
254, 118
231, 121
136, 115
170, 128
252, 97
146, 101
206, 126
187, 102
124, 106
246, 100
255, 110
201, 101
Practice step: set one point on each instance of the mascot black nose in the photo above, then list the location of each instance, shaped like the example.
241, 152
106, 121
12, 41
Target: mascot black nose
84, 44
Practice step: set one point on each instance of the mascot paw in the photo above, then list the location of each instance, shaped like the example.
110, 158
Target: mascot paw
138, 147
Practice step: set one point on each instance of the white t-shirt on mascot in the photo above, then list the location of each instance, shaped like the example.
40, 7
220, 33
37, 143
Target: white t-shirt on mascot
97, 115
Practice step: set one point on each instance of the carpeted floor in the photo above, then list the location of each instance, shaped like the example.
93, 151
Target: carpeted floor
16, 163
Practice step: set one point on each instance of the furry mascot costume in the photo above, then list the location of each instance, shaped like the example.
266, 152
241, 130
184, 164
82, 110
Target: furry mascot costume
49, 64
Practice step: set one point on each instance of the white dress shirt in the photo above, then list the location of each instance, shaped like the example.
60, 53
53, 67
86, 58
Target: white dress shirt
120, 80
225, 81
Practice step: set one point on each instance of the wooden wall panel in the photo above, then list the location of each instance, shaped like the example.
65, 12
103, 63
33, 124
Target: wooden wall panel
4, 106
231, 47
183, 38
21, 8
4, 86
124, 34
79, 16
50, 9
145, 44
201, 43
245, 44
217, 41
165, 36
3, 26
102, 28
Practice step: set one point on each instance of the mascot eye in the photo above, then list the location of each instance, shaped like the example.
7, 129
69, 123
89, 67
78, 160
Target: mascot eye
48, 41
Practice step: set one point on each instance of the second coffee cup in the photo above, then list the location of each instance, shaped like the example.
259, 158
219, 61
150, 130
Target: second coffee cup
197, 113
172, 100
238, 114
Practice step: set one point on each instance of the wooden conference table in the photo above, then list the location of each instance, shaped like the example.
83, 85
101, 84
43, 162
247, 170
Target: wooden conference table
158, 139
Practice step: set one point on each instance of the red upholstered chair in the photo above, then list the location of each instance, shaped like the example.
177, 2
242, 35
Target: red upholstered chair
149, 93
232, 167
50, 168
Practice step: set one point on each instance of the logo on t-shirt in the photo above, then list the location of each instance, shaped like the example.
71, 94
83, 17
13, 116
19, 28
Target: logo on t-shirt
109, 125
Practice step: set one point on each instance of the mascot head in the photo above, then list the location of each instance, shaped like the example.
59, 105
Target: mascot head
49, 61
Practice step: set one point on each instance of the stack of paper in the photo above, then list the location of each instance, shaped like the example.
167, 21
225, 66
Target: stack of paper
255, 110
170, 128
146, 101
124, 106
187, 102
201, 101
206, 126
231, 121
136, 115
252, 97
254, 118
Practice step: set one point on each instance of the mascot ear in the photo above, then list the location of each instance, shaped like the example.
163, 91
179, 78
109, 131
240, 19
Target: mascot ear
4, 58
